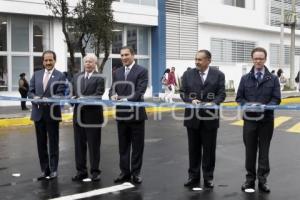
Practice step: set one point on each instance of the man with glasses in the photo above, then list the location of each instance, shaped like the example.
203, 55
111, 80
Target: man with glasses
258, 88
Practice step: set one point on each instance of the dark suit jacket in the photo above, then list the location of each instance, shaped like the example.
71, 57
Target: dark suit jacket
266, 92
93, 89
36, 89
213, 90
138, 76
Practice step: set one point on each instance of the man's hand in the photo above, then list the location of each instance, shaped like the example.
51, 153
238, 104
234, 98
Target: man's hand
114, 97
196, 101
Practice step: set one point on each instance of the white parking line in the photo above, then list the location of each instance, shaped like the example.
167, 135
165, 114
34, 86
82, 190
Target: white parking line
115, 188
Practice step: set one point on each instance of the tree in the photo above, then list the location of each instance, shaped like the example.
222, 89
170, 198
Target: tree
92, 24
61, 10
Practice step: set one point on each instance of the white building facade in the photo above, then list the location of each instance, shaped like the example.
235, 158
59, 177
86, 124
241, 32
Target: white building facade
27, 29
230, 29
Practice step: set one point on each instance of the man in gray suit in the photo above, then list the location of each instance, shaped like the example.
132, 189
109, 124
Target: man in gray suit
202, 85
44, 84
87, 119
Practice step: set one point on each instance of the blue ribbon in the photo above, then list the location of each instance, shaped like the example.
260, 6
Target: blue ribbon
109, 103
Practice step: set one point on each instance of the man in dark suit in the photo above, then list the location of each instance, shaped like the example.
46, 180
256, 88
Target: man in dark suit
130, 119
88, 119
47, 83
206, 86
258, 87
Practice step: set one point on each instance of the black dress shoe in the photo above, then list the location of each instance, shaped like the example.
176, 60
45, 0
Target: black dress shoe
122, 178
42, 177
208, 184
264, 187
248, 185
79, 177
192, 182
137, 179
53, 175
96, 177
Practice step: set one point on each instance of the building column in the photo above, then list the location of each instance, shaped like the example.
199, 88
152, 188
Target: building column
158, 43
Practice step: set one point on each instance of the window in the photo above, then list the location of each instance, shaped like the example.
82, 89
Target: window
40, 36
142, 2
117, 41
132, 37
148, 2
3, 73
3, 33
275, 54
237, 3
182, 29
231, 51
143, 41
20, 64
275, 12
22, 41
132, 1
20, 33
37, 63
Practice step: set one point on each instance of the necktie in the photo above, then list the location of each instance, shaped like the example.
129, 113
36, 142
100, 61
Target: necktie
127, 70
201, 76
46, 80
259, 77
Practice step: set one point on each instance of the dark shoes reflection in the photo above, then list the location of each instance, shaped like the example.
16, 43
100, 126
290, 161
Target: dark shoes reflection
47, 176
208, 184
137, 179
122, 178
43, 176
192, 182
52, 175
248, 185
79, 177
263, 187
96, 177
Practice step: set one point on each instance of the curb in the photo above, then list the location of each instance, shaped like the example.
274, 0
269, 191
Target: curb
68, 117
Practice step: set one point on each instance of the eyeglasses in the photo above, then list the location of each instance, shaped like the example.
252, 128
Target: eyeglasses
258, 59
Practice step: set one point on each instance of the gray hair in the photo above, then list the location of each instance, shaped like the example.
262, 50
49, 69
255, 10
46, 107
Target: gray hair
90, 56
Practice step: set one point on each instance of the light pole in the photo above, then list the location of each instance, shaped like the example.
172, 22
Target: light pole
281, 48
292, 52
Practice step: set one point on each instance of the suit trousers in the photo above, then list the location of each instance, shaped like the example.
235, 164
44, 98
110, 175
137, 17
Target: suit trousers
23, 95
87, 138
47, 129
202, 148
131, 146
257, 135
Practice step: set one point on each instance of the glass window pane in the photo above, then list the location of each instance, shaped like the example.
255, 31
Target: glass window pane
20, 64
77, 65
240, 3
37, 63
148, 2
3, 33
40, 36
145, 63
132, 37
132, 1
143, 41
229, 2
20, 33
3, 73
107, 73
117, 41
